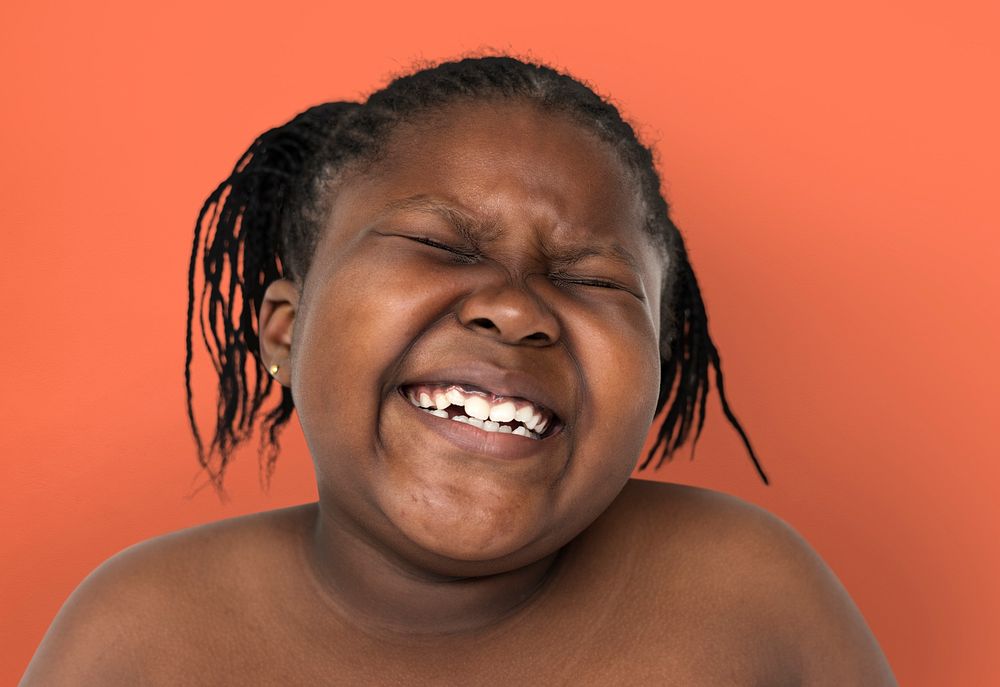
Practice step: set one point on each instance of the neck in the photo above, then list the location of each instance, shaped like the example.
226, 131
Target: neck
372, 587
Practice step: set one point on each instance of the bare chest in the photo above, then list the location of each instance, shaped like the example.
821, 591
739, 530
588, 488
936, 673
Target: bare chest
548, 663
629, 639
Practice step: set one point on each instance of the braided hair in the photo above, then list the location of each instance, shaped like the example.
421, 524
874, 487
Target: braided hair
263, 221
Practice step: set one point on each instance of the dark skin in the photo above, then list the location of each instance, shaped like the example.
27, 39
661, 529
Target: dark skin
441, 557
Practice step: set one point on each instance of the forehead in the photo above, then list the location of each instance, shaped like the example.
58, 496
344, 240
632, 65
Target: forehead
514, 162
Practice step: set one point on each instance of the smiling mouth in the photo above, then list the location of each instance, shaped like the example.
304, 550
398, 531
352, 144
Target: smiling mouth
483, 410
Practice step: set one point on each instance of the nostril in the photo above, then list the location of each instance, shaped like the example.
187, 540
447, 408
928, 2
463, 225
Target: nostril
483, 322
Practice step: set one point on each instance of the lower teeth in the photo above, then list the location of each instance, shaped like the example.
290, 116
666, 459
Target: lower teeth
487, 425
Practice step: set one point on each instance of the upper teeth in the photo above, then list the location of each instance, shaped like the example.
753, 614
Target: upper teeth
479, 406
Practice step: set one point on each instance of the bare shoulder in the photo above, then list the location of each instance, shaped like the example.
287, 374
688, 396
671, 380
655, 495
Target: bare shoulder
759, 573
163, 594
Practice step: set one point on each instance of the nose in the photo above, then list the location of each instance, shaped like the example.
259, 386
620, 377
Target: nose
509, 314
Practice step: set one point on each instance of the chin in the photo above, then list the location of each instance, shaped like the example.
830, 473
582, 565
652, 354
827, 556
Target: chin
450, 527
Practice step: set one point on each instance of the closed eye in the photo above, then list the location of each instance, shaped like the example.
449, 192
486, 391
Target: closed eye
591, 282
465, 255
599, 283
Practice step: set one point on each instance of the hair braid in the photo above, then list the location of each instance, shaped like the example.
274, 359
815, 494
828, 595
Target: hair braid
692, 351
246, 223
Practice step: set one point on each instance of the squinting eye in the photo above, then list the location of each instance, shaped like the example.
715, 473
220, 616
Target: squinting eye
434, 244
601, 284
590, 282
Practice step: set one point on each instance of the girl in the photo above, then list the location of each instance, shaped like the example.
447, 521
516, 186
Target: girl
470, 290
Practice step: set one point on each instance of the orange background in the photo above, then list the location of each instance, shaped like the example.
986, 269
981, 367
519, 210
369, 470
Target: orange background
834, 172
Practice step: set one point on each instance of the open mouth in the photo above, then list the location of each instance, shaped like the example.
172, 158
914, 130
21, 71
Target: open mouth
483, 409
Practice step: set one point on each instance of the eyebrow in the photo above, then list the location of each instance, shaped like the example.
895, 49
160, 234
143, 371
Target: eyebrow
476, 232
613, 252
471, 229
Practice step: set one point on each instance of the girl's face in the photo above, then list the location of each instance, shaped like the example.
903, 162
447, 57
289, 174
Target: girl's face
543, 288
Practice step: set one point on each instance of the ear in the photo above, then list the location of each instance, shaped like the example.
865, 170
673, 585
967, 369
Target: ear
275, 323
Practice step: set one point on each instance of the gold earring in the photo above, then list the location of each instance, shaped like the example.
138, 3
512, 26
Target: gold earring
273, 370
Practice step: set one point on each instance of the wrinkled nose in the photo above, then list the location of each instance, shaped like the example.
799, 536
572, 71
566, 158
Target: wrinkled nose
509, 314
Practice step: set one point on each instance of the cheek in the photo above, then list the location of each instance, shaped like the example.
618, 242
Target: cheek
617, 347
360, 319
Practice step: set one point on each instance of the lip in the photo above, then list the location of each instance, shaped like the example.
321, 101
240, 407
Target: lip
501, 381
474, 440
